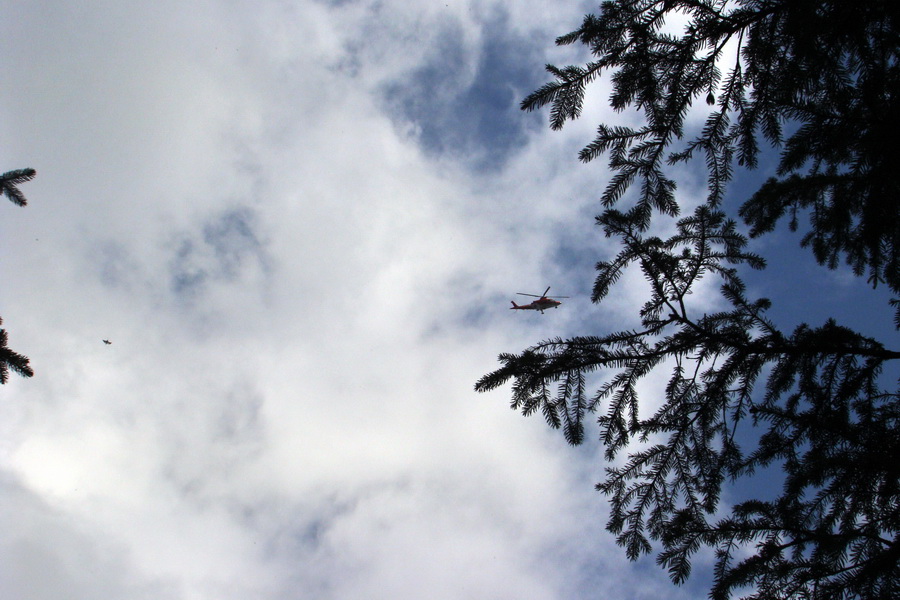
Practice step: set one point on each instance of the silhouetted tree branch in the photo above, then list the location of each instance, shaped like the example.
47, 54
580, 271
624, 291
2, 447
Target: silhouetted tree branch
821, 80
9, 360
10, 181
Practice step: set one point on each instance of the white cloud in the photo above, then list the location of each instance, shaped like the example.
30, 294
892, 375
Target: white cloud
299, 300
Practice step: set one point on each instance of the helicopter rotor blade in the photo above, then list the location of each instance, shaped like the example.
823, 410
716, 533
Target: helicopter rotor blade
545, 291
532, 295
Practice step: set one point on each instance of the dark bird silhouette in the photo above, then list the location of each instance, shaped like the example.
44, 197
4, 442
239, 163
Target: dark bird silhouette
107, 342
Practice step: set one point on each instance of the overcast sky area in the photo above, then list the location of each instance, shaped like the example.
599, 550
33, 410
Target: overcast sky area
300, 225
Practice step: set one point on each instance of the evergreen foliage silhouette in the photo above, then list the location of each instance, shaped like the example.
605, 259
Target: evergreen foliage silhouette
10, 181
820, 80
10, 360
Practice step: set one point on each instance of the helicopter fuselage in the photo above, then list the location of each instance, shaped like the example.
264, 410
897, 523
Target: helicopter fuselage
540, 304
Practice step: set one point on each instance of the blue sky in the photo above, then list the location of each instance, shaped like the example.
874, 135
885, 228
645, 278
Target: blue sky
300, 224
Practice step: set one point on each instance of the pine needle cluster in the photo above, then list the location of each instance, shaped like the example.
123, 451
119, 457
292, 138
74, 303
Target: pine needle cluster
10, 360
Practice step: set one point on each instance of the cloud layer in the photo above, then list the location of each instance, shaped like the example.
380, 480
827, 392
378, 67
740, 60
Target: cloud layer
300, 225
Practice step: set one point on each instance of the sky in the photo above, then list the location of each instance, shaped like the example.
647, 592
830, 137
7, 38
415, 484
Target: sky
300, 224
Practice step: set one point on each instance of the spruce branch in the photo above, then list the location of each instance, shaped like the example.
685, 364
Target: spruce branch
10, 181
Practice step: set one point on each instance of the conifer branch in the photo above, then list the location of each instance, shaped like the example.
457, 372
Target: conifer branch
822, 82
10, 181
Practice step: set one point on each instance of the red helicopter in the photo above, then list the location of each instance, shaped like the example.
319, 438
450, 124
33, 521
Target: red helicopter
542, 303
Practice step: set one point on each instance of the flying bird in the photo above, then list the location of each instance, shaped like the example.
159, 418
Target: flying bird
107, 342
